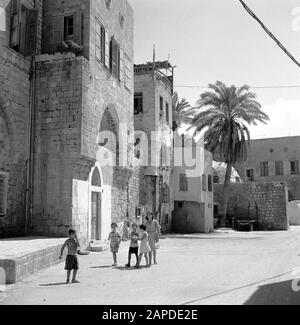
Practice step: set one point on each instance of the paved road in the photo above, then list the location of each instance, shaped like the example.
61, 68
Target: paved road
221, 268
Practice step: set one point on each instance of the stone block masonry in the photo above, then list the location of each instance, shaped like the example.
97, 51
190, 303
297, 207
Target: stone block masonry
265, 201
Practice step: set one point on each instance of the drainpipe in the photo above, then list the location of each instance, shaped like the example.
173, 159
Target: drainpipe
29, 180
30, 145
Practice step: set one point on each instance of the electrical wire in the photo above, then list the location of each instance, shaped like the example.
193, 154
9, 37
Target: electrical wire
252, 14
254, 87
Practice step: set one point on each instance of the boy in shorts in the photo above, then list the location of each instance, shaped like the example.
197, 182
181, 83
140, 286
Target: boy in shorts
134, 245
72, 264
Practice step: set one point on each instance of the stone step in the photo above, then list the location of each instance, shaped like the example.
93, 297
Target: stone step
98, 246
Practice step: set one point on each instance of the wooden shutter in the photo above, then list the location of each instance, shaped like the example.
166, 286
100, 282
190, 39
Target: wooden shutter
15, 16
78, 27
122, 65
107, 50
2, 205
57, 32
31, 32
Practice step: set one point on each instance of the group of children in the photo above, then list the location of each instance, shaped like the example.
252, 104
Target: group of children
115, 239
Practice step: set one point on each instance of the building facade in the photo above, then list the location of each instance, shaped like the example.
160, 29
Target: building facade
153, 122
193, 187
66, 97
274, 160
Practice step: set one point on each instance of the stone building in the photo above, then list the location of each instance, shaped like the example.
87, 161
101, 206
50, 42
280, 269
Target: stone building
274, 160
66, 108
153, 123
21, 21
192, 186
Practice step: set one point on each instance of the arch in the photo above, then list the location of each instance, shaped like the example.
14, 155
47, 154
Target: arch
96, 178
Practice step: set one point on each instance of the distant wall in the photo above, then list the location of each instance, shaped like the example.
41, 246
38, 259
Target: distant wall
294, 213
265, 201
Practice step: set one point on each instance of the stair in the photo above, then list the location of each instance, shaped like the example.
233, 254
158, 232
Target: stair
98, 246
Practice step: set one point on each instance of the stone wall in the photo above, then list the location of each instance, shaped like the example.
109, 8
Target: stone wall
265, 201
14, 122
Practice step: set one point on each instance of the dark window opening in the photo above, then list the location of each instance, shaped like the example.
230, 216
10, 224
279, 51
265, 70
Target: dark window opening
295, 167
216, 179
68, 27
167, 113
138, 103
183, 183
180, 205
204, 183
161, 107
210, 184
250, 175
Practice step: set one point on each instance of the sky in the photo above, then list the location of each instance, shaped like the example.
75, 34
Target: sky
210, 40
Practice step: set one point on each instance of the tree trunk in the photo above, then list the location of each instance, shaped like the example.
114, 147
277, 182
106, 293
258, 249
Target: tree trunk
226, 194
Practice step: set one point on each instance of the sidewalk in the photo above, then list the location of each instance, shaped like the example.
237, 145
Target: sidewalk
20, 257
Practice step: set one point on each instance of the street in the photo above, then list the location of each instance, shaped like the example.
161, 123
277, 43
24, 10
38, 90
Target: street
225, 267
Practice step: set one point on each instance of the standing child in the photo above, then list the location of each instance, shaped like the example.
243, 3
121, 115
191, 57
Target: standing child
134, 245
145, 247
115, 242
72, 264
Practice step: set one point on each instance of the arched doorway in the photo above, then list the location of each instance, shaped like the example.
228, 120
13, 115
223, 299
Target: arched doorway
96, 205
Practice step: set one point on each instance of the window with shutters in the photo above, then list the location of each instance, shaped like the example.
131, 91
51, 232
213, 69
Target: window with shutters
23, 28
264, 169
204, 183
279, 168
161, 107
138, 103
115, 58
295, 167
128, 72
250, 175
167, 113
100, 42
183, 183
3, 193
210, 183
69, 27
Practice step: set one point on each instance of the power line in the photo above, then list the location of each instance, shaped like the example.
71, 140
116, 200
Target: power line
254, 87
252, 14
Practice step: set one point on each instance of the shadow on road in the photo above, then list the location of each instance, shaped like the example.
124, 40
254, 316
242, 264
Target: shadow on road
101, 267
280, 293
187, 237
53, 284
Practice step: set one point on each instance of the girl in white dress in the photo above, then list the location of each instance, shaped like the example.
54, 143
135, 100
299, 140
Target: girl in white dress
144, 247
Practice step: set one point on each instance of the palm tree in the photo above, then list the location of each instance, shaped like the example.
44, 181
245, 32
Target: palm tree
180, 107
225, 113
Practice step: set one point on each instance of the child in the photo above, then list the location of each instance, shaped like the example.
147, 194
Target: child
115, 241
71, 261
145, 247
134, 245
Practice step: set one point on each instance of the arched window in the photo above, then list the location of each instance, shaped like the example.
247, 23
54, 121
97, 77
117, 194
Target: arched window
96, 178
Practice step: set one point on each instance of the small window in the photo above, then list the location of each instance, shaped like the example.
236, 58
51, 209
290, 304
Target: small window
204, 183
216, 179
295, 167
167, 113
210, 184
128, 72
183, 183
96, 178
3, 193
138, 103
279, 168
165, 194
161, 107
68, 27
180, 205
100, 42
264, 169
250, 175
115, 58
